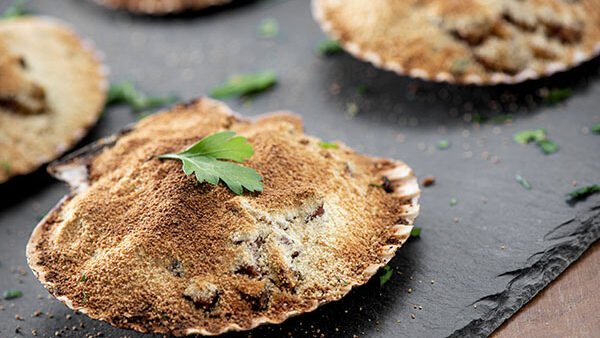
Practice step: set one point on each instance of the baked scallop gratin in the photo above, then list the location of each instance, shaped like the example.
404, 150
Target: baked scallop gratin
52, 90
466, 41
161, 7
139, 244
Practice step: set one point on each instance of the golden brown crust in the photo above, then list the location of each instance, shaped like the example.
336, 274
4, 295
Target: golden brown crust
140, 245
52, 89
466, 41
161, 7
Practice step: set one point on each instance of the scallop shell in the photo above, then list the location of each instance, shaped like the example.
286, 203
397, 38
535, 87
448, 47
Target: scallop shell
319, 228
75, 91
426, 40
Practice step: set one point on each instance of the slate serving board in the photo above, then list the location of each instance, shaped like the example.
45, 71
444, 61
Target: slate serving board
476, 262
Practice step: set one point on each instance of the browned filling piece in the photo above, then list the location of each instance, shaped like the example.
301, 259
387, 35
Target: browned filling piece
18, 93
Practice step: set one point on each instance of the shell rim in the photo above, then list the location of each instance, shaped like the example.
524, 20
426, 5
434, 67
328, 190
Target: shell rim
154, 12
87, 46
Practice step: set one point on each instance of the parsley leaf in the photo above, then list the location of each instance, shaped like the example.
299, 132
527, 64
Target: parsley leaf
557, 95
15, 10
12, 294
329, 47
328, 145
125, 93
523, 182
596, 128
583, 192
387, 274
268, 28
245, 84
548, 147
204, 160
415, 232
443, 145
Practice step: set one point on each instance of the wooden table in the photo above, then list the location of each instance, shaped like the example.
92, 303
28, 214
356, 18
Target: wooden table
568, 307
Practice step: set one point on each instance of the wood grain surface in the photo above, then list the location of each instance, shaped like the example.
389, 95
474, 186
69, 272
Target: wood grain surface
568, 307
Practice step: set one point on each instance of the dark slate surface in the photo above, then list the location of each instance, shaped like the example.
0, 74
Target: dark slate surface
476, 263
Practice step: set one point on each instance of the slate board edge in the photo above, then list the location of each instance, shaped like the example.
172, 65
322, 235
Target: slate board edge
530, 280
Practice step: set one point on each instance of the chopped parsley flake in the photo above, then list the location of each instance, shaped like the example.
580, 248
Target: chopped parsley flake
12, 294
268, 28
84, 278
453, 201
530, 135
583, 192
557, 95
548, 147
15, 10
539, 137
362, 90
415, 232
387, 274
245, 84
596, 128
329, 47
523, 182
206, 158
443, 145
126, 93
328, 145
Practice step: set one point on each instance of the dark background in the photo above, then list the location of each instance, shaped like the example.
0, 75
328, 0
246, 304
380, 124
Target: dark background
476, 262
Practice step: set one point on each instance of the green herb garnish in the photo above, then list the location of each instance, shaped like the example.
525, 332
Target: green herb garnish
453, 202
329, 47
415, 232
531, 135
387, 274
84, 278
583, 192
12, 294
245, 84
328, 145
523, 182
539, 137
15, 10
548, 147
126, 93
443, 145
205, 160
596, 128
557, 95
362, 90
268, 28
